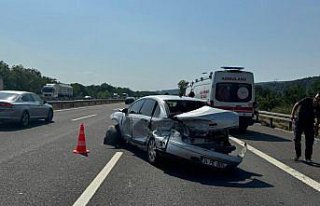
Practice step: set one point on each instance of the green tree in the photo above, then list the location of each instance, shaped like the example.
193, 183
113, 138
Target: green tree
315, 87
267, 99
5, 73
79, 90
103, 94
182, 85
294, 93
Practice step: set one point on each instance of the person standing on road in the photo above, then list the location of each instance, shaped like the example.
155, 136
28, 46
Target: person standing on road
308, 109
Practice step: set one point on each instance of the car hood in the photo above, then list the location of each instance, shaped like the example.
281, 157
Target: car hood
209, 118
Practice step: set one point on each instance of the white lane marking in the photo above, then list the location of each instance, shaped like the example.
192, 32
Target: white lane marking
95, 184
84, 117
76, 108
303, 178
62, 110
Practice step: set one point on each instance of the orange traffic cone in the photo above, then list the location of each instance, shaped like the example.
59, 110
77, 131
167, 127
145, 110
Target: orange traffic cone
81, 147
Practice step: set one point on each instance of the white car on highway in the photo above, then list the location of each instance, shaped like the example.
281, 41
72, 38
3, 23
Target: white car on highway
180, 126
22, 107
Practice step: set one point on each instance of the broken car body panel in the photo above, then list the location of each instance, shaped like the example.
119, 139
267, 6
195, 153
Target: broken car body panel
210, 118
200, 135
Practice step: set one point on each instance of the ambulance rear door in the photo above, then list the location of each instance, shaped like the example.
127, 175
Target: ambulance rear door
234, 90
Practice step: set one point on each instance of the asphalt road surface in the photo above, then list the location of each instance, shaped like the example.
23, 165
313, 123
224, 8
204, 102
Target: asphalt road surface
38, 167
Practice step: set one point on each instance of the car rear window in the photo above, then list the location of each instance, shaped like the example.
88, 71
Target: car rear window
182, 106
7, 96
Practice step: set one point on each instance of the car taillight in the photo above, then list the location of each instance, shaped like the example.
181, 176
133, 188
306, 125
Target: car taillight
4, 104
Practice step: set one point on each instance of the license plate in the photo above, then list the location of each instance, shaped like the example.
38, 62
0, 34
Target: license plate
214, 163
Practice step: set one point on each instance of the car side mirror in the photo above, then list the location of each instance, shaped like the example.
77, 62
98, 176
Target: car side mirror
125, 110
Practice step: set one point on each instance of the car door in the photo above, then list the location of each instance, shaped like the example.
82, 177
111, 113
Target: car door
29, 104
127, 124
141, 122
41, 110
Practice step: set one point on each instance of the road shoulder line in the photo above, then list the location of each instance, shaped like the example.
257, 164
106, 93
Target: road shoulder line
98, 180
303, 178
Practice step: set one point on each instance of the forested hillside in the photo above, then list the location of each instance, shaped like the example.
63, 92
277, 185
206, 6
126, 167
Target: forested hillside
17, 77
271, 96
281, 96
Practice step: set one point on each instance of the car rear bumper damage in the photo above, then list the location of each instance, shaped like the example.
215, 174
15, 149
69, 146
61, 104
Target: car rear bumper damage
177, 147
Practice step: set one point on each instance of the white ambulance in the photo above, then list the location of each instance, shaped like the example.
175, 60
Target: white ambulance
229, 89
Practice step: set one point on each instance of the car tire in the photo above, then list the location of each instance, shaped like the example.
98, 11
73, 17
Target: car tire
120, 139
152, 154
50, 116
113, 136
25, 119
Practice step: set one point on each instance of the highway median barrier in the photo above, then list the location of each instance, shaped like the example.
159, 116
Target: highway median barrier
66, 104
275, 120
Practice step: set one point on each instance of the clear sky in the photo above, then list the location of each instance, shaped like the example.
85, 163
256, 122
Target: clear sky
152, 45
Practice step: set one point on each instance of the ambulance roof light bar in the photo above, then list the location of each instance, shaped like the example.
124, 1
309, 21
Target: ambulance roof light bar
232, 68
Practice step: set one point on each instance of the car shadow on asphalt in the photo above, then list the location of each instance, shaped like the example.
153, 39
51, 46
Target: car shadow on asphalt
236, 177
189, 171
183, 169
257, 136
9, 127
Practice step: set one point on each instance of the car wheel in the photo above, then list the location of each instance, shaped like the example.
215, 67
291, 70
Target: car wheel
120, 140
25, 118
113, 136
50, 116
117, 127
152, 151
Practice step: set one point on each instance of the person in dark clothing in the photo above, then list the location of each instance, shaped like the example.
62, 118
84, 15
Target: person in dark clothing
308, 109
191, 94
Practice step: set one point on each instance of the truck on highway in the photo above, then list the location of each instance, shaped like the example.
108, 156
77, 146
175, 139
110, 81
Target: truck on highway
57, 91
231, 89
124, 95
115, 96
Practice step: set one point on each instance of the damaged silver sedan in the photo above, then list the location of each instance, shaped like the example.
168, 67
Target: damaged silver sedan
180, 126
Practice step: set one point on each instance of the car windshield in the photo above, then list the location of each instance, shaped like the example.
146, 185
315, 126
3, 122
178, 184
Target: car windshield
7, 96
48, 89
182, 106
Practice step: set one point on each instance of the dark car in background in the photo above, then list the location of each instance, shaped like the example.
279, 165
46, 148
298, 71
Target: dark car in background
129, 100
23, 107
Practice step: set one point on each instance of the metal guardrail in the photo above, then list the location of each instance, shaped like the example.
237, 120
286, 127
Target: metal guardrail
277, 120
65, 104
271, 117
